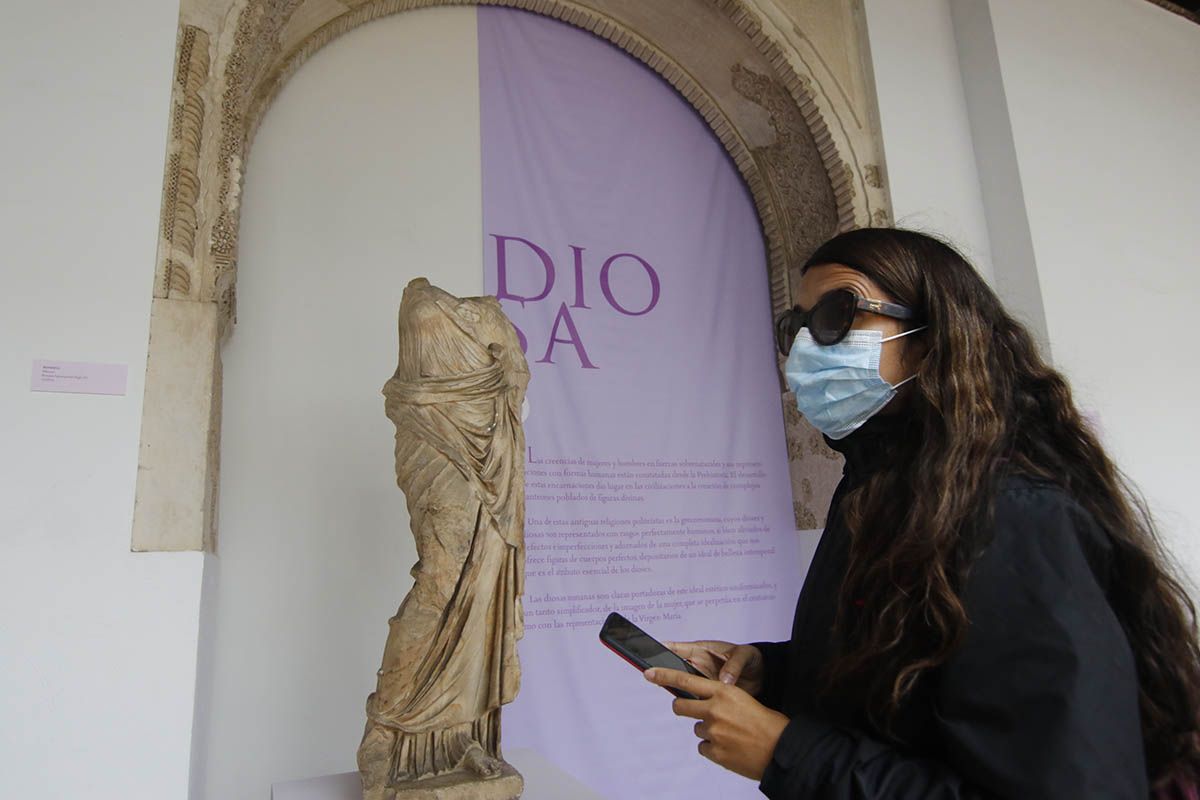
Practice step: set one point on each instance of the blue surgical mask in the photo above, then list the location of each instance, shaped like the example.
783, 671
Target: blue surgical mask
838, 386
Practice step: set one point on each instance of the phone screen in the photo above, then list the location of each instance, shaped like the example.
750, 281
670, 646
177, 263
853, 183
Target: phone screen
638, 643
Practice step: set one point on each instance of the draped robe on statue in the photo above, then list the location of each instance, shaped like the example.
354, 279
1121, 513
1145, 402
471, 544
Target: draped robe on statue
450, 661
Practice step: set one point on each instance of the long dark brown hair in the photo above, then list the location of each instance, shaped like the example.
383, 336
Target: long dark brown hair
984, 401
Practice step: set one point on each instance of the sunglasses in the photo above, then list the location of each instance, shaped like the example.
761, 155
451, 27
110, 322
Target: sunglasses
831, 318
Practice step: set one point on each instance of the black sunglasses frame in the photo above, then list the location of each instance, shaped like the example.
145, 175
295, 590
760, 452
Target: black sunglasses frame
790, 322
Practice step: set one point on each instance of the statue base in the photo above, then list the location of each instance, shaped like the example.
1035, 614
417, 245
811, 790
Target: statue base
508, 785
543, 781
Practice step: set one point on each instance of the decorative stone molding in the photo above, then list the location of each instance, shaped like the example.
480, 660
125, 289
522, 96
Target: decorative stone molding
181, 187
806, 211
1189, 14
795, 113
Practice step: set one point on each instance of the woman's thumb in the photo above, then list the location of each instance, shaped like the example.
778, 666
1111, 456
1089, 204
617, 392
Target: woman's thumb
732, 669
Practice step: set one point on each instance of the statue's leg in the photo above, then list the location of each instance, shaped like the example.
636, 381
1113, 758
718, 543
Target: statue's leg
375, 760
416, 624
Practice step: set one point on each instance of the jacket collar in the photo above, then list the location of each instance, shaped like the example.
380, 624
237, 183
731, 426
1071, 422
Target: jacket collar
872, 445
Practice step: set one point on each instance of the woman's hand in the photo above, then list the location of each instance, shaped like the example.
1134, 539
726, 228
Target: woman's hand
735, 730
738, 664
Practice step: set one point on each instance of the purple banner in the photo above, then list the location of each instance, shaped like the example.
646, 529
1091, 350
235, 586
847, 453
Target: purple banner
627, 251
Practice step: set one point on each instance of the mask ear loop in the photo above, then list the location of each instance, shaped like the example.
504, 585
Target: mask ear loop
905, 333
899, 336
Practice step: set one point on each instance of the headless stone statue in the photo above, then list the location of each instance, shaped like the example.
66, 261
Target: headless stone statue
450, 662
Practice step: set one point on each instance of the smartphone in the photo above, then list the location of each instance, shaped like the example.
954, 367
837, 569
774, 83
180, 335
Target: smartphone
642, 650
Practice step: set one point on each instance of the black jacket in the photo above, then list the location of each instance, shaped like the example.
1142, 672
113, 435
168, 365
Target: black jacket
1041, 700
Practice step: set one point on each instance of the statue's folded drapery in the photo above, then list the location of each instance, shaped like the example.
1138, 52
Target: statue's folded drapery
450, 661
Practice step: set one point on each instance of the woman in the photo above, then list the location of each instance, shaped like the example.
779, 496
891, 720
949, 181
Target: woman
989, 612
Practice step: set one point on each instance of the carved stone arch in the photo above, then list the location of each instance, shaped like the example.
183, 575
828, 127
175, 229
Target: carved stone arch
734, 61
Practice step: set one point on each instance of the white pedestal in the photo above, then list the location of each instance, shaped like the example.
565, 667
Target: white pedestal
543, 781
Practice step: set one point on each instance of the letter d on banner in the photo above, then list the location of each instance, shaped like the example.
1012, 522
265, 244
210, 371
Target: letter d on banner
502, 291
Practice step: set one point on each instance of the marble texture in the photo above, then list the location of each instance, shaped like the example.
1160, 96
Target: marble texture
450, 661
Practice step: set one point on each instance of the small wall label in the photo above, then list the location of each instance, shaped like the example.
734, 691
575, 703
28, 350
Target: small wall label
78, 377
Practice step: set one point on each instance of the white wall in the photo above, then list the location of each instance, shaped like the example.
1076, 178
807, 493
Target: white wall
97, 644
1105, 112
1014, 270
364, 175
931, 170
